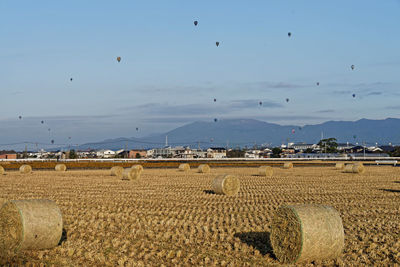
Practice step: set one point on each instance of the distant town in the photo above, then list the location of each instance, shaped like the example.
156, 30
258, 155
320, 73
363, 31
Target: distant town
326, 148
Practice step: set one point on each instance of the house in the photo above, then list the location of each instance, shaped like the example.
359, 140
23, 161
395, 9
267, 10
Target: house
165, 152
137, 154
8, 154
303, 146
105, 153
253, 154
182, 152
198, 153
344, 146
216, 152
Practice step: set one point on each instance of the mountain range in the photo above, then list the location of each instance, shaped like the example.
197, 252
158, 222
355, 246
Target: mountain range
250, 132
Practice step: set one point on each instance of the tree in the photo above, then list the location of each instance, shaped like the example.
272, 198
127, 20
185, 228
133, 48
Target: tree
328, 145
72, 154
138, 156
395, 152
308, 150
235, 153
276, 152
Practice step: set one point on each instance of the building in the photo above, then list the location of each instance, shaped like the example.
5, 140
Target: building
216, 152
8, 154
182, 152
165, 152
136, 153
303, 146
105, 153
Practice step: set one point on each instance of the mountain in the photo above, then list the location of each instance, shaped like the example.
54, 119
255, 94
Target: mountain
247, 132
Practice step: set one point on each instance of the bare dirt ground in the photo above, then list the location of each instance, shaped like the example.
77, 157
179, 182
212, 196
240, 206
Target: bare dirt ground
170, 218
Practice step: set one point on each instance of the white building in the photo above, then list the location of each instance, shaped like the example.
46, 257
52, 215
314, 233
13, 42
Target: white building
216, 152
105, 153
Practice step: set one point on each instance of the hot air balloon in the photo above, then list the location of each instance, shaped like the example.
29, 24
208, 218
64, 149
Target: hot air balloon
300, 128
195, 23
289, 34
354, 136
137, 129
354, 95
317, 83
212, 140
52, 141
287, 99
69, 137
352, 67
71, 79
215, 120
42, 122
260, 103
20, 117
215, 100
293, 131
119, 59
217, 44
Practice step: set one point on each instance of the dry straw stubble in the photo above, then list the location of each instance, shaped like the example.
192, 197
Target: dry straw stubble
184, 167
203, 168
131, 174
61, 167
29, 224
266, 171
117, 171
305, 233
226, 184
25, 169
288, 165
2, 171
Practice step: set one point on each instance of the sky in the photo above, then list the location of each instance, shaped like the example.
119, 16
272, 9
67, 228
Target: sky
171, 71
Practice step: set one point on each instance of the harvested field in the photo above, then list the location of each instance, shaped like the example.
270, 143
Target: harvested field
173, 218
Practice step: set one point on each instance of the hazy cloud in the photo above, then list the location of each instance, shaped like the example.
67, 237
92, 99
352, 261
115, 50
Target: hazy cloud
163, 109
374, 93
326, 111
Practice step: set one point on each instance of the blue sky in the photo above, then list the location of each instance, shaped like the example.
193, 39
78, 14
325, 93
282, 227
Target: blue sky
171, 71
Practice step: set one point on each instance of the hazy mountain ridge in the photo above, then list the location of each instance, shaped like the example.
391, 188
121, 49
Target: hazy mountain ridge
247, 132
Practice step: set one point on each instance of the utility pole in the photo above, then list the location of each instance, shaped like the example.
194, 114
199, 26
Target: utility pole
364, 149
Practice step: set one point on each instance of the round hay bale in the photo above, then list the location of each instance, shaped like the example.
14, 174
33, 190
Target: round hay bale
138, 166
30, 224
203, 168
354, 168
288, 165
348, 168
131, 174
226, 184
265, 171
25, 169
339, 166
184, 167
61, 167
117, 171
358, 167
2, 171
305, 233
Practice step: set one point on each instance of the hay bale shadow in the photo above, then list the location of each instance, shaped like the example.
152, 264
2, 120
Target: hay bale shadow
391, 190
210, 192
259, 240
64, 237
397, 182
